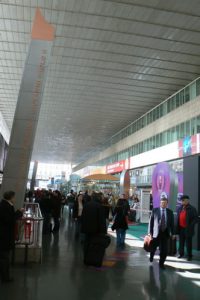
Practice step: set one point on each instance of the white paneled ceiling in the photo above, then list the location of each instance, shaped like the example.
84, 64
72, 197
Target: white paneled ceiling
111, 62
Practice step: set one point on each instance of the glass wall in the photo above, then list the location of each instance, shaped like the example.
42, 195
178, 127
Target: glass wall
188, 93
173, 134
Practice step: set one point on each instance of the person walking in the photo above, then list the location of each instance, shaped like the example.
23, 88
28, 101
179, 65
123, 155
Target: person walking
136, 207
45, 203
8, 218
107, 209
71, 201
56, 209
187, 217
161, 227
93, 226
112, 203
93, 219
77, 214
86, 197
120, 222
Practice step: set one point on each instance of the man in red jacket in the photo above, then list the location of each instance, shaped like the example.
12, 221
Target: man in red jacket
187, 217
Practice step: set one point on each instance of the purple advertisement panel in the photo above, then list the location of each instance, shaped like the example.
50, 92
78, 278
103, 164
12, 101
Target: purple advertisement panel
164, 182
180, 182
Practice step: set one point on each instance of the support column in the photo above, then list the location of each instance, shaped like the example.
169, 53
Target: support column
33, 179
191, 187
28, 108
125, 183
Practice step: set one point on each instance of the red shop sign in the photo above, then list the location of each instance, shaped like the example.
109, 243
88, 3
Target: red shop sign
116, 167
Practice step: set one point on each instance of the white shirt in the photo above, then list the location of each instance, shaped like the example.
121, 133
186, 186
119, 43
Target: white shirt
10, 202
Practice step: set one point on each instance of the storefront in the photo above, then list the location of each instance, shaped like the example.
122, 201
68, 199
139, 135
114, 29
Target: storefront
153, 172
104, 183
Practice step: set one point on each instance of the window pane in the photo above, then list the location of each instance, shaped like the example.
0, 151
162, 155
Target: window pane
193, 126
187, 129
177, 100
173, 134
157, 112
157, 140
198, 124
193, 90
181, 97
144, 121
182, 133
164, 108
168, 137
161, 110
187, 94
178, 132
168, 106
198, 87
151, 117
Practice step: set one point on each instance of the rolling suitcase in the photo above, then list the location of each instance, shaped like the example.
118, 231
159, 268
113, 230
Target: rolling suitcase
95, 250
172, 248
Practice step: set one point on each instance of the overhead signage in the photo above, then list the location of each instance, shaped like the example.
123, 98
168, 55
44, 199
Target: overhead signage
189, 146
117, 167
172, 151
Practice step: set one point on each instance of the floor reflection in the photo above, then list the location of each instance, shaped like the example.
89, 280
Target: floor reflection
124, 275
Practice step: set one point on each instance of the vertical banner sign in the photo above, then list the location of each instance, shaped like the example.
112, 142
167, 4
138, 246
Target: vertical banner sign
28, 108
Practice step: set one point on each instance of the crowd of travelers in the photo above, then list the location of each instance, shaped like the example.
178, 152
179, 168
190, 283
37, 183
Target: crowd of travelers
92, 215
120, 210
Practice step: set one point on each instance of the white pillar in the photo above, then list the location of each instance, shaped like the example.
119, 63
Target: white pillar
28, 108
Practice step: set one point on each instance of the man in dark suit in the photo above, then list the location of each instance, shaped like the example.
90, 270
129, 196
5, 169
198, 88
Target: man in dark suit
161, 227
186, 217
8, 217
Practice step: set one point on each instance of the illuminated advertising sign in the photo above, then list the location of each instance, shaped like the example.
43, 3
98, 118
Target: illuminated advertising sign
164, 183
118, 166
188, 146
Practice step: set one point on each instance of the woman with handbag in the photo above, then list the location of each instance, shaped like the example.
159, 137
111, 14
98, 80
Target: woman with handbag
120, 222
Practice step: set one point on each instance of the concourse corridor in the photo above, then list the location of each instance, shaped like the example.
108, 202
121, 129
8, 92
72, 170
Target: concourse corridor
125, 275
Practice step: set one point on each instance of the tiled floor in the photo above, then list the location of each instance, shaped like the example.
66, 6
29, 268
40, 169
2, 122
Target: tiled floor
125, 275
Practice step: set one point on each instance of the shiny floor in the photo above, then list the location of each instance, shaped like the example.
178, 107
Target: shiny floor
125, 275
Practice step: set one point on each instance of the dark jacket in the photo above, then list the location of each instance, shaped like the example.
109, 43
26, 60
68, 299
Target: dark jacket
56, 206
106, 209
191, 219
75, 209
120, 218
86, 198
46, 205
8, 218
71, 198
155, 222
93, 220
